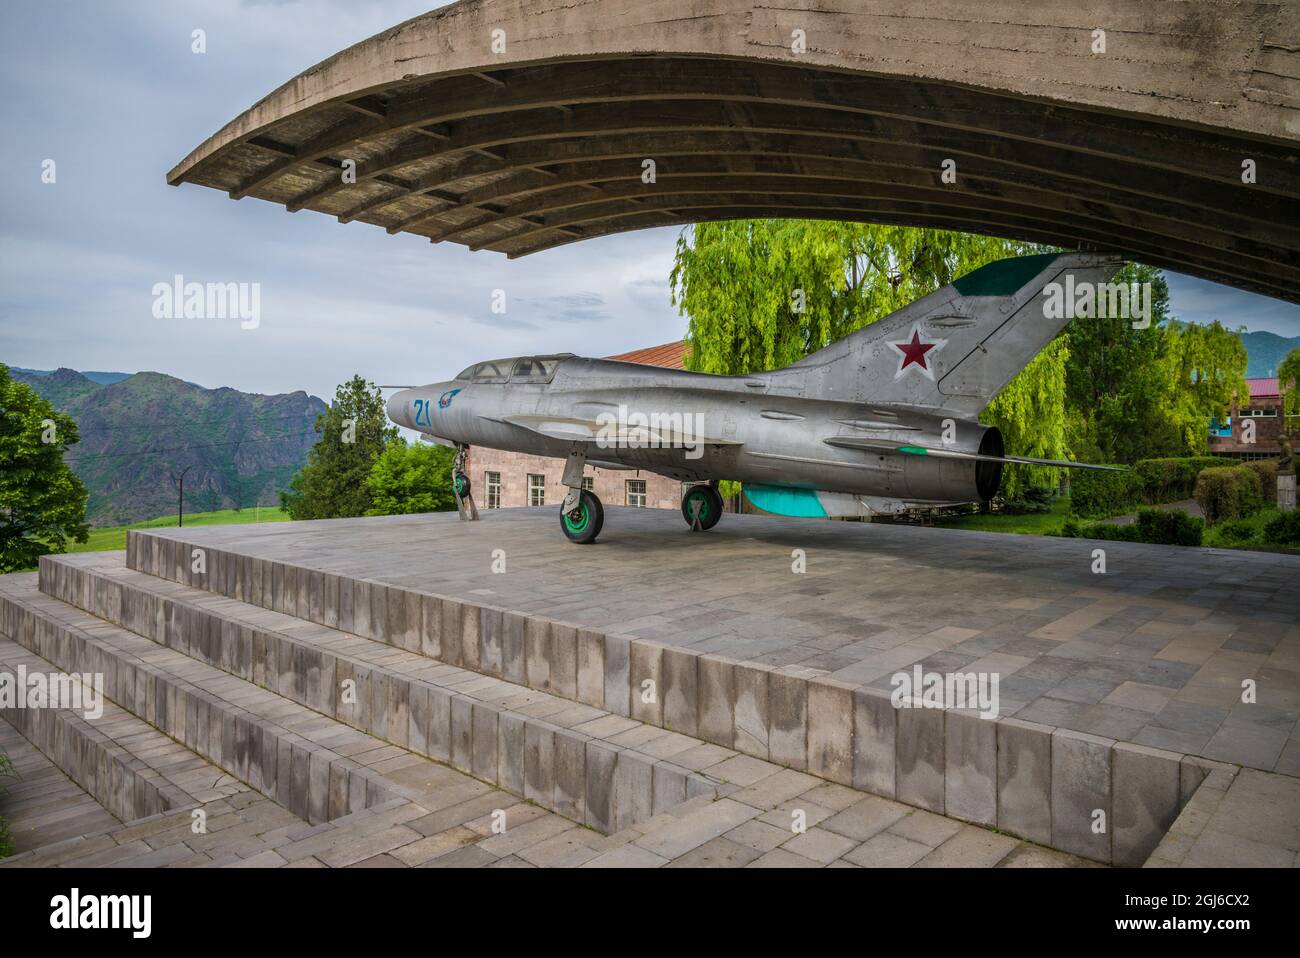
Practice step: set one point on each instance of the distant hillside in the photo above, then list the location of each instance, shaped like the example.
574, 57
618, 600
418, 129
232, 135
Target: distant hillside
104, 379
1266, 352
135, 433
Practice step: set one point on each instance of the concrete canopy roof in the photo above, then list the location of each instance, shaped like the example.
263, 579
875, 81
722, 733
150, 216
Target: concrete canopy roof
543, 142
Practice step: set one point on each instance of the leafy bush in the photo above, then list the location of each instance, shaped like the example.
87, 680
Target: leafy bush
1228, 492
1170, 480
1266, 469
1150, 482
414, 478
1236, 530
1073, 529
1034, 500
1283, 529
1169, 527
1095, 494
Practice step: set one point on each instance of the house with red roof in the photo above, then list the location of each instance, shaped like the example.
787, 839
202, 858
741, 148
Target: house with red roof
1255, 426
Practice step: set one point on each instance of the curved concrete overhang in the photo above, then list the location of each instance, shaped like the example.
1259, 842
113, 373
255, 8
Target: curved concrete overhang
519, 126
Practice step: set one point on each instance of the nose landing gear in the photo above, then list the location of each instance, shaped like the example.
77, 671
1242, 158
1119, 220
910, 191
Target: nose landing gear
460, 486
581, 515
583, 523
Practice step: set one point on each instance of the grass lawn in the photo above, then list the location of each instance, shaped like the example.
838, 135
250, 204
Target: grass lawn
114, 537
1038, 524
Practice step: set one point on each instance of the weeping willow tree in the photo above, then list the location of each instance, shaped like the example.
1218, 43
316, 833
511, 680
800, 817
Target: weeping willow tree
762, 294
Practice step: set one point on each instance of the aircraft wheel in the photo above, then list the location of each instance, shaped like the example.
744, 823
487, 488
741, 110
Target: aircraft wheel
460, 484
584, 523
709, 504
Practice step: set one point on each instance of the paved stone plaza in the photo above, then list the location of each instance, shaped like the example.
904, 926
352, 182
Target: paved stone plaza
371, 691
1154, 652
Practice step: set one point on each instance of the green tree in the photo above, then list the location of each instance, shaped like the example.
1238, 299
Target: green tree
1288, 380
42, 503
1119, 381
762, 294
353, 433
411, 478
1205, 367
1030, 412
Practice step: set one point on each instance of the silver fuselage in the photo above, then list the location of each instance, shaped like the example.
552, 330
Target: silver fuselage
756, 429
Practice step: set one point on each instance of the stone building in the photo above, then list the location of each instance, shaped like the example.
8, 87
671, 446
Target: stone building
1264, 414
504, 479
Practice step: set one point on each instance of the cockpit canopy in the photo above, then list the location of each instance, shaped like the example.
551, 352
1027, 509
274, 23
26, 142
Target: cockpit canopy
524, 369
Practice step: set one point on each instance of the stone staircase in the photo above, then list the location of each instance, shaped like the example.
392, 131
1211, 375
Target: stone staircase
324, 720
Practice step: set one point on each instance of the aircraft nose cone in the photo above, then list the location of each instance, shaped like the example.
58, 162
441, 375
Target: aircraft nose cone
399, 408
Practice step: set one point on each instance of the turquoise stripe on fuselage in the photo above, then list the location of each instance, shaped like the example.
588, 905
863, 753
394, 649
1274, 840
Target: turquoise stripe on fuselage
785, 501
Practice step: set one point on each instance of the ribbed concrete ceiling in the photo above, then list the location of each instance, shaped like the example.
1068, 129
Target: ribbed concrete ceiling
1138, 151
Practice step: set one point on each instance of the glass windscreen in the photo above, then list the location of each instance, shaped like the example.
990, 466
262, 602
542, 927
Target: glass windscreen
492, 371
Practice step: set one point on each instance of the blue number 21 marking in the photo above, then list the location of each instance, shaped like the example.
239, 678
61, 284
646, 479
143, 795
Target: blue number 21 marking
422, 412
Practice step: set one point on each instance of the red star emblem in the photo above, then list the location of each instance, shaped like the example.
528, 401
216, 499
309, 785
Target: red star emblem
914, 352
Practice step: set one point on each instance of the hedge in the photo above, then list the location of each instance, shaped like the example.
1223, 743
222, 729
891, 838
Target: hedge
1266, 469
1229, 492
1096, 494
1283, 529
1173, 479
1170, 527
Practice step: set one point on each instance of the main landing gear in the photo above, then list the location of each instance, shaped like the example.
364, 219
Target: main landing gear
701, 507
582, 515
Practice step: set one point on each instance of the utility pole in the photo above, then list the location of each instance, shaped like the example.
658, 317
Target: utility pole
180, 497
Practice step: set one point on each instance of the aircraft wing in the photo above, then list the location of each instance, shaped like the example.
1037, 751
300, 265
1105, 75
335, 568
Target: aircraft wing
611, 434
851, 442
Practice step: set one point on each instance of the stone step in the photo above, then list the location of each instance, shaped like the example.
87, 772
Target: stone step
605, 770
1035, 781
318, 768
1238, 818
128, 766
41, 805
754, 826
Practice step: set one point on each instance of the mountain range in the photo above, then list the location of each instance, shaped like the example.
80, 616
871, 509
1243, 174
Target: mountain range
137, 431
1265, 352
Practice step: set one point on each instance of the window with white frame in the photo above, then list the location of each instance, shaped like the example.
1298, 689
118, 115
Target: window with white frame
536, 490
492, 481
589, 483
636, 492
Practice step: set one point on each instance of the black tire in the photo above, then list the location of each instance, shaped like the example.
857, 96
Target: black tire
460, 484
584, 523
710, 507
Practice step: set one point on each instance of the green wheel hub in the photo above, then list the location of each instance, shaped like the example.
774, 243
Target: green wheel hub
577, 520
703, 500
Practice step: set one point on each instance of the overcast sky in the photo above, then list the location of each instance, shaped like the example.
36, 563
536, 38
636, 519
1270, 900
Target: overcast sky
110, 90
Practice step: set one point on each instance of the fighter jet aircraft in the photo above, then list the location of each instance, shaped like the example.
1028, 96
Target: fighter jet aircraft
881, 421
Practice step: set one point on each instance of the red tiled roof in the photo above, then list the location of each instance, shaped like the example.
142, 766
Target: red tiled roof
669, 355
1262, 388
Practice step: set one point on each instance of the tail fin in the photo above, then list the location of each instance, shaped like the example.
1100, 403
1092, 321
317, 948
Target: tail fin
959, 346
